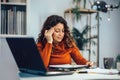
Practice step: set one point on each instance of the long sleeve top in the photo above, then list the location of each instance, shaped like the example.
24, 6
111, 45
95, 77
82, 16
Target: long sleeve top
59, 55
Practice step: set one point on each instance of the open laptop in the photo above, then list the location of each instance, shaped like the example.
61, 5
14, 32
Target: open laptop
27, 56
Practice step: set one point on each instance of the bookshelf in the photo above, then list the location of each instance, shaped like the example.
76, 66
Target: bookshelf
91, 50
13, 17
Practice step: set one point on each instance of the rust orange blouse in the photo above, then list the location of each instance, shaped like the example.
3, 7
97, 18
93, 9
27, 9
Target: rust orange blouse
60, 55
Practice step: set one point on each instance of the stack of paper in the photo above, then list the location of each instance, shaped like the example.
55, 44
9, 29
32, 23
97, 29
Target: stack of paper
101, 71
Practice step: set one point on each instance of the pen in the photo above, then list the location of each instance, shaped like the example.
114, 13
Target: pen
82, 72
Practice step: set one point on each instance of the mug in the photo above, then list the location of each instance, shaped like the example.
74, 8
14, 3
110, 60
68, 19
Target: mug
108, 62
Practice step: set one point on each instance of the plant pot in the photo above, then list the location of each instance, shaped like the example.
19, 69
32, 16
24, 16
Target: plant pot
118, 65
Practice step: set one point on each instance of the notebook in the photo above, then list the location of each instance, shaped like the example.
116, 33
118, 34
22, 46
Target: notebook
67, 67
27, 56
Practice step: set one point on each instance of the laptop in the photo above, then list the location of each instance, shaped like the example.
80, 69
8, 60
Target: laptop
27, 57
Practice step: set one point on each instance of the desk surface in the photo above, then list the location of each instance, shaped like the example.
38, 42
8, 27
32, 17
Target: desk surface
75, 76
72, 77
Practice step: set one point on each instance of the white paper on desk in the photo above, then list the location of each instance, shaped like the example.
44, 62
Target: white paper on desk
103, 71
68, 66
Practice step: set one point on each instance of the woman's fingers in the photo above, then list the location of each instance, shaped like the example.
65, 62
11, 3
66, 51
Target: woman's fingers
89, 64
48, 35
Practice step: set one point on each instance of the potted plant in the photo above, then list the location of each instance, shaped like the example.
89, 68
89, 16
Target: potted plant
80, 38
118, 62
76, 9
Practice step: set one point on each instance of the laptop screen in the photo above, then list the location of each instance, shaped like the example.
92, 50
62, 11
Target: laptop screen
25, 52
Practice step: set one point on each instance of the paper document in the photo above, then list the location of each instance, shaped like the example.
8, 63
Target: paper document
102, 71
67, 66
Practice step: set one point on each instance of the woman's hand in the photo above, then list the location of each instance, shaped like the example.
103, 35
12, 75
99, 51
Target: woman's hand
48, 35
90, 64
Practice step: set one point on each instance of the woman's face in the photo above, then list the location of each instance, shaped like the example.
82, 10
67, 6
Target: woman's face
58, 33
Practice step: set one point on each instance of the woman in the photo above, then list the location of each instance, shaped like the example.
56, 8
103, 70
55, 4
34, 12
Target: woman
56, 45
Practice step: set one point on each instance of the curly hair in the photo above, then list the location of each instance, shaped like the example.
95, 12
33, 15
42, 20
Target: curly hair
51, 21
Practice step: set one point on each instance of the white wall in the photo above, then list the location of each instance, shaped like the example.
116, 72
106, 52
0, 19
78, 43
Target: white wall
39, 10
8, 65
109, 33
0, 17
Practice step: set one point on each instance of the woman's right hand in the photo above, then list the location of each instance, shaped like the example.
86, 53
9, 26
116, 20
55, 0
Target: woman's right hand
48, 35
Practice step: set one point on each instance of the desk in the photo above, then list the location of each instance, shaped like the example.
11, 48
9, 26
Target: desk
75, 76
